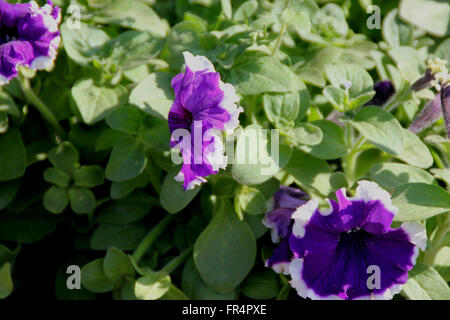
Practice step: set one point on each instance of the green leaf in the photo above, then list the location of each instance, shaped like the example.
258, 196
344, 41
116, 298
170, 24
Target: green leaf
282, 109
93, 277
8, 191
173, 197
441, 144
157, 136
123, 237
418, 201
174, 294
395, 31
127, 210
425, 283
226, 8
251, 200
117, 265
337, 97
82, 200
27, 227
235, 242
134, 15
381, 128
89, 176
107, 139
127, 160
339, 180
415, 152
195, 287
245, 10
83, 44
6, 283
57, 177
312, 76
56, 199
154, 94
256, 75
8, 105
442, 263
261, 285
64, 156
120, 189
256, 160
310, 172
360, 80
392, 175
13, 156
409, 63
305, 134
125, 119
184, 36
94, 101
431, 15
133, 48
442, 174
443, 50
331, 21
151, 288
332, 145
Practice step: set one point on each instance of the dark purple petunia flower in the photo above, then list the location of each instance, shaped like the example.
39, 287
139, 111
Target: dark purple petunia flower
29, 36
445, 103
204, 106
334, 249
383, 91
278, 219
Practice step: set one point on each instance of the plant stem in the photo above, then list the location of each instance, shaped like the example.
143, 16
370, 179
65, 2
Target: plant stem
150, 238
33, 99
279, 39
175, 262
350, 158
436, 243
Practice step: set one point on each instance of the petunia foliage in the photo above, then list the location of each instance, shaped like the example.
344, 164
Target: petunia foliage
209, 150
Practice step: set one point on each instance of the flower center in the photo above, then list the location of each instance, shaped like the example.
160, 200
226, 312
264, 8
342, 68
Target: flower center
354, 238
7, 34
188, 117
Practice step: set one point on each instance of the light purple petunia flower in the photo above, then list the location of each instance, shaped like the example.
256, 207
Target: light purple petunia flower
29, 36
278, 219
204, 106
334, 248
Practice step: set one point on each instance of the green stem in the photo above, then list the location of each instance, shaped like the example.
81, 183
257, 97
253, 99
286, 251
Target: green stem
175, 262
437, 160
436, 243
279, 39
349, 160
33, 99
151, 237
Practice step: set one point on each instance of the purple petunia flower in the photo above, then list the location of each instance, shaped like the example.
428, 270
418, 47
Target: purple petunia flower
429, 115
383, 91
29, 36
278, 218
204, 106
334, 249
445, 102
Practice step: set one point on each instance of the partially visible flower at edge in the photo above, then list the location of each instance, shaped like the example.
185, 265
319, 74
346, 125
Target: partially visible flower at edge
205, 104
278, 218
29, 36
436, 75
332, 249
383, 91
